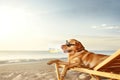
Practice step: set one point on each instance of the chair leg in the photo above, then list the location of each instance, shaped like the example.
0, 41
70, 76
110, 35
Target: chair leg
57, 71
63, 73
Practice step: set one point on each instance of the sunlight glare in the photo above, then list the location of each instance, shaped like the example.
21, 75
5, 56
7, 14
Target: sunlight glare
10, 19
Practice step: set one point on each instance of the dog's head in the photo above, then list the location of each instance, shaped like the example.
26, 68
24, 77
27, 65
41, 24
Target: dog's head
72, 45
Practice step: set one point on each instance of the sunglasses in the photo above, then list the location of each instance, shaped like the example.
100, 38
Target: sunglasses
69, 44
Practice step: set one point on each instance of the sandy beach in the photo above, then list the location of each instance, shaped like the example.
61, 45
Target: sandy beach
38, 70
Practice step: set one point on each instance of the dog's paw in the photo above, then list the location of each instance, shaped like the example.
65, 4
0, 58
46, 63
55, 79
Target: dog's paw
49, 63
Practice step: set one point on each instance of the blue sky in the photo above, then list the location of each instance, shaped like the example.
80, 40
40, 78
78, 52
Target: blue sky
42, 24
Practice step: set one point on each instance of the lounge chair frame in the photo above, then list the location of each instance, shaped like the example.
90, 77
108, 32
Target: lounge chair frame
109, 68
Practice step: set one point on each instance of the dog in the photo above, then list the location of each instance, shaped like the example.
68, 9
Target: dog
78, 56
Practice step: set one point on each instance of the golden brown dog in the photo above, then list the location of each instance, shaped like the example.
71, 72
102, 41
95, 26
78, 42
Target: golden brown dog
78, 57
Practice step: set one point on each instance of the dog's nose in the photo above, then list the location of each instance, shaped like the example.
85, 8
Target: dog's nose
62, 46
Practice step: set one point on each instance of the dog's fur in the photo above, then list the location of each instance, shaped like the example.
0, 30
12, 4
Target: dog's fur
78, 56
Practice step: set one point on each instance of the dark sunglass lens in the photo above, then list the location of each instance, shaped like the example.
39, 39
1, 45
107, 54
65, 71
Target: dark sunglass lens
68, 44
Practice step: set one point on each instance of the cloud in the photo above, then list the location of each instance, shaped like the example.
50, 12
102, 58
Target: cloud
107, 27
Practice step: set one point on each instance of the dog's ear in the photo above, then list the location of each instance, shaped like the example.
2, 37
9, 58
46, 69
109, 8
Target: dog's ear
79, 46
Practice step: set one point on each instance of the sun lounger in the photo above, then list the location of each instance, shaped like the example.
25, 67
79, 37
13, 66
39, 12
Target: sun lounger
109, 68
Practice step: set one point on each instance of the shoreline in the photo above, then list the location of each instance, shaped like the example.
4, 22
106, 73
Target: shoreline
18, 61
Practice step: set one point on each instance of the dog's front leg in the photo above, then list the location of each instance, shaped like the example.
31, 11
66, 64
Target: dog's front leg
73, 65
53, 61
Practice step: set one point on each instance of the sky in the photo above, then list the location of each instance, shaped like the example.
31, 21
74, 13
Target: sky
44, 24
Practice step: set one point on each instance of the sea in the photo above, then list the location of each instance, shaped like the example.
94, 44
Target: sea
27, 56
